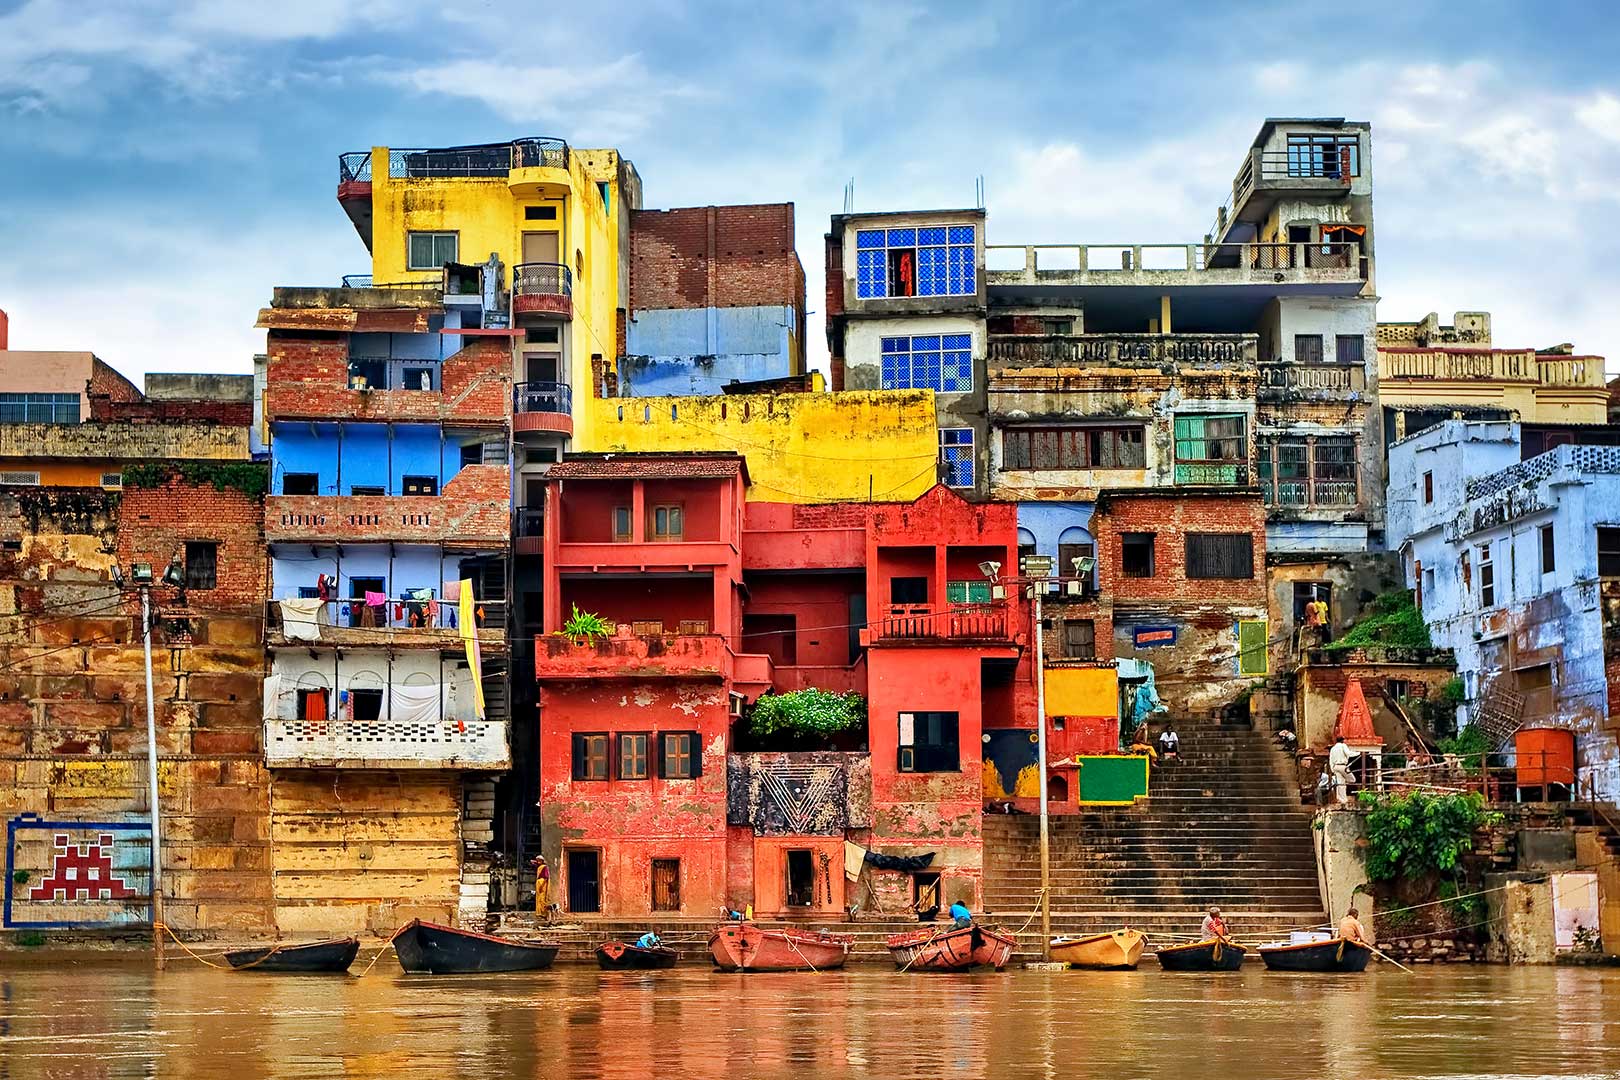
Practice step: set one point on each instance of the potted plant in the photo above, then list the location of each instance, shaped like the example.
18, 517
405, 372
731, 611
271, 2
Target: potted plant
584, 627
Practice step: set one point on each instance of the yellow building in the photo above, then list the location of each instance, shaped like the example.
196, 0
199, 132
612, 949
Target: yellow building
1424, 367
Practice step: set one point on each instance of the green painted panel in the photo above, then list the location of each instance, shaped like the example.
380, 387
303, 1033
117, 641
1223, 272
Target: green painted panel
1113, 779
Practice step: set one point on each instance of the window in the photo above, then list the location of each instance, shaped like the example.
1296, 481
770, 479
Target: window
666, 521
1428, 487
666, 884
1608, 552
967, 592
1335, 484
1401, 689
1058, 327
1308, 348
621, 523
1040, 449
1136, 554
366, 705
1309, 472
956, 456
26, 479
1220, 555
112, 479
417, 378
1211, 450
472, 454
539, 213
548, 334
1080, 639
39, 408
1549, 550
367, 489
930, 260
299, 483
632, 757
939, 362
590, 756
1252, 643
908, 590
420, 485
1487, 577
928, 742
202, 564
429, 250
1332, 156
1350, 349
680, 755
1068, 553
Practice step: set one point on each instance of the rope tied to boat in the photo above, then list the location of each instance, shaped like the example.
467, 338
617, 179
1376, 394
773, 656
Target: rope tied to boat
919, 951
385, 947
164, 928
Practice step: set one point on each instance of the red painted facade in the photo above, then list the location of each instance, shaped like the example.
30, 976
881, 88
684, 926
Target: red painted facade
753, 597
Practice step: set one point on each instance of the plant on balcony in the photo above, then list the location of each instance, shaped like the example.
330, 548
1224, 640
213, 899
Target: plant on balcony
806, 713
1395, 622
584, 627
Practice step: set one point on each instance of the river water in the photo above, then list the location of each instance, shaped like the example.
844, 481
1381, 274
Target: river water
112, 1019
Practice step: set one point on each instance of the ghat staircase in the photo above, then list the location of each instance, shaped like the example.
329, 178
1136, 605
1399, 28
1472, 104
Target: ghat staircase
1224, 826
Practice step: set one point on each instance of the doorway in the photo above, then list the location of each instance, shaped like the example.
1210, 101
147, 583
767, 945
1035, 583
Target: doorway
540, 247
666, 884
801, 878
360, 612
584, 880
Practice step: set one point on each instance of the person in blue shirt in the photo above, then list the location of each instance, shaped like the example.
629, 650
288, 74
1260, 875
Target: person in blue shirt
960, 915
649, 940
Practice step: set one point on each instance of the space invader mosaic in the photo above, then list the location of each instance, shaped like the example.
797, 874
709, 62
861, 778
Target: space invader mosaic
77, 875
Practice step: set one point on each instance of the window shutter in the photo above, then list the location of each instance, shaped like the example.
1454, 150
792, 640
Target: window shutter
1252, 659
579, 757
657, 751
695, 750
956, 592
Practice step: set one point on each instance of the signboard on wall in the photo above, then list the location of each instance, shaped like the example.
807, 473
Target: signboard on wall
1148, 637
77, 875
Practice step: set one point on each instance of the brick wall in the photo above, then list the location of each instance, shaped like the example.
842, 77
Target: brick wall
307, 376
714, 256
155, 523
1170, 520
1056, 610
106, 382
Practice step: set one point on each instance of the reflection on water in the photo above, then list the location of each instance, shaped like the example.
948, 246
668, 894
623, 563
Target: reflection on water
112, 1020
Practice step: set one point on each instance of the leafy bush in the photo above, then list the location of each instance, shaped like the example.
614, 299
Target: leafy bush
1469, 744
251, 478
1395, 622
1413, 834
585, 625
1463, 909
806, 712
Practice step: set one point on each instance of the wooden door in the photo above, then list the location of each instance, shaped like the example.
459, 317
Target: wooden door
666, 884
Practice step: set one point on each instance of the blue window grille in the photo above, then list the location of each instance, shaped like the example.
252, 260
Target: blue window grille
39, 408
956, 454
939, 362
929, 260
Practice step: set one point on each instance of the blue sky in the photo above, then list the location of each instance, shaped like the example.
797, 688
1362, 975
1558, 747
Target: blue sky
166, 164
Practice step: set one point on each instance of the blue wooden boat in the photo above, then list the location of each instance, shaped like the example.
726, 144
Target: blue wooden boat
426, 948
1210, 955
1334, 954
312, 957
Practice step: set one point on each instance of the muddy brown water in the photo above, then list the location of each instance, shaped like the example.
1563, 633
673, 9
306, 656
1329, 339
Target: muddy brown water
95, 1018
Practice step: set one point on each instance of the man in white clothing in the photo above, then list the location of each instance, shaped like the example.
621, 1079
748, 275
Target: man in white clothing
1339, 766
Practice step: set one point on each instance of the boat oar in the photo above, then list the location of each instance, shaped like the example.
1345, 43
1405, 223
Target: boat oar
1384, 956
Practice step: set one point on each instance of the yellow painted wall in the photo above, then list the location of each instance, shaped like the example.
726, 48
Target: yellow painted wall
487, 214
800, 447
1082, 691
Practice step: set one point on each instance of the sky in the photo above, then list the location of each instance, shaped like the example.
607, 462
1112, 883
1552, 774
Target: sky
164, 165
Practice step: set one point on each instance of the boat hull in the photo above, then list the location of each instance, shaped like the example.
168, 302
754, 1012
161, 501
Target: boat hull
954, 950
738, 946
1336, 954
1210, 955
622, 956
1120, 950
427, 948
333, 956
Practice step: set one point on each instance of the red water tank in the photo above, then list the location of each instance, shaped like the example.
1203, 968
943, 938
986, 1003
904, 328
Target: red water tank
1545, 756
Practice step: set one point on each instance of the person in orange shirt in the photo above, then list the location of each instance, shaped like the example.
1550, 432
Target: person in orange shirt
1350, 928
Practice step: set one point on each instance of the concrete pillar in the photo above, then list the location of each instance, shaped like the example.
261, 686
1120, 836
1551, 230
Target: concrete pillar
1164, 314
638, 512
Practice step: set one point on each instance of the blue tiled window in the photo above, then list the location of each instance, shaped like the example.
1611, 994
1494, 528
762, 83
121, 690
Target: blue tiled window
939, 362
927, 260
39, 408
956, 454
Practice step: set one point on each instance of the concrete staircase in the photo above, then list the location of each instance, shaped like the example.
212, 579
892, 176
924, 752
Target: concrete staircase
1224, 827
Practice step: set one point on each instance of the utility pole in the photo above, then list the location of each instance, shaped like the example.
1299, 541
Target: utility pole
1040, 753
158, 927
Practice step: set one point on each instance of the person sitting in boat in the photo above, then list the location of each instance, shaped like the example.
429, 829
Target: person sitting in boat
961, 917
649, 940
1169, 744
1350, 927
1214, 926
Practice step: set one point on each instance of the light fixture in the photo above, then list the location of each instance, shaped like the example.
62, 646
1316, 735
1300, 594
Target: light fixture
141, 573
117, 575
174, 575
1084, 563
990, 568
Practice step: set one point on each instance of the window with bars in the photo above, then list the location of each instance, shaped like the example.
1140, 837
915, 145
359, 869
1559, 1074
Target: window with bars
1350, 349
956, 456
1331, 156
1310, 472
1307, 348
1211, 450
202, 564
1220, 555
927, 260
39, 408
429, 250
939, 362
1047, 449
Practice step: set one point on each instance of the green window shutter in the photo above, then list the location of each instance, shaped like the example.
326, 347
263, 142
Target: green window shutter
1252, 659
967, 592
956, 592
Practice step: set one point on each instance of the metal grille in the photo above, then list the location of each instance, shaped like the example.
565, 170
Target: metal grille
542, 279
666, 884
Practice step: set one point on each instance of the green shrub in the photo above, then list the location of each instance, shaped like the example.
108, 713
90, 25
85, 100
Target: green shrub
1412, 834
1394, 622
806, 712
585, 625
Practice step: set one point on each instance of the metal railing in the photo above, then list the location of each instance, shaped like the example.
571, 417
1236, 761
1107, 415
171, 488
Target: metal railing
544, 397
1201, 473
531, 521
355, 165
1281, 375
976, 622
1341, 162
395, 613
542, 279
1302, 493
485, 159
365, 281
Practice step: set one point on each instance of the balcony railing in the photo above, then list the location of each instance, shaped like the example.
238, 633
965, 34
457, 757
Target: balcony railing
1126, 350
1491, 365
397, 622
1303, 493
542, 279
487, 159
1209, 263
531, 521
1212, 473
355, 165
542, 397
1282, 378
392, 743
365, 281
957, 622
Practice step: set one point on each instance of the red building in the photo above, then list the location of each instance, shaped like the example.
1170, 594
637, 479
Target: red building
654, 797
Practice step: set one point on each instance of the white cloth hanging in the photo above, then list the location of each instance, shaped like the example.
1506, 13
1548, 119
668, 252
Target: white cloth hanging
414, 704
301, 619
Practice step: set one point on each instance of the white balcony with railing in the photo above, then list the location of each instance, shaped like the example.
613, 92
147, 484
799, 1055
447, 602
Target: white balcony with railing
1337, 267
386, 744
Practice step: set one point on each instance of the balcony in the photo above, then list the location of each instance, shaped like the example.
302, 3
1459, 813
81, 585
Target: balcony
386, 744
1305, 494
468, 387
1555, 371
543, 288
459, 522
687, 656
542, 406
457, 162
398, 624
1212, 474
1335, 269
1281, 382
1124, 351
920, 623
529, 531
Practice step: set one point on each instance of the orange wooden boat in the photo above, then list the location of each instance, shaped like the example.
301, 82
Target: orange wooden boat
743, 946
953, 950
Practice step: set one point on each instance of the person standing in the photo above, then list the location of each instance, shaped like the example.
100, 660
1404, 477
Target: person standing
1339, 767
542, 885
1214, 926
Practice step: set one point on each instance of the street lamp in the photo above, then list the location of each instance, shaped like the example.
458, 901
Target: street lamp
140, 575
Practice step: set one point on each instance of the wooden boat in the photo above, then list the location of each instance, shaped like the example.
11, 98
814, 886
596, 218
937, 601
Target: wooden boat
1209, 955
952, 950
1334, 954
743, 946
625, 956
426, 948
316, 956
1113, 951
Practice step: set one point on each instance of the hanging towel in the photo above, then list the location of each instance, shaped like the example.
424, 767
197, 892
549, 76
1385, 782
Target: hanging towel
301, 619
375, 599
323, 586
854, 856
452, 591
433, 612
469, 638
414, 704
